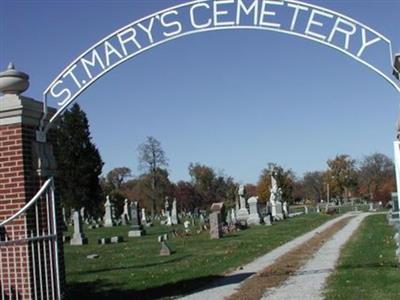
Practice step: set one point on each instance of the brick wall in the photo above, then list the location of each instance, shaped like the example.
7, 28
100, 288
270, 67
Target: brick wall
19, 182
13, 196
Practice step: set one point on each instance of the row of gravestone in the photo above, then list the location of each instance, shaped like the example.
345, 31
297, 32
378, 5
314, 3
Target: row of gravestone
130, 215
167, 217
248, 215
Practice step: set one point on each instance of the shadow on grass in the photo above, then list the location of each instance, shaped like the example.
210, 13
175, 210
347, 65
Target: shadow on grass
101, 290
132, 267
369, 266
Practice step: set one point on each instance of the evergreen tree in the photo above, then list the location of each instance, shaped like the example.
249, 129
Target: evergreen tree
79, 162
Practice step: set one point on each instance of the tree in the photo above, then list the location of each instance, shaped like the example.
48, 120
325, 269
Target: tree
376, 177
140, 189
251, 190
152, 159
117, 176
186, 196
284, 177
210, 187
314, 185
341, 175
264, 185
79, 162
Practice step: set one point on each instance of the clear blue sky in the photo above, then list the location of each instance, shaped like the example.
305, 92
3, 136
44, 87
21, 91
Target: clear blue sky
234, 100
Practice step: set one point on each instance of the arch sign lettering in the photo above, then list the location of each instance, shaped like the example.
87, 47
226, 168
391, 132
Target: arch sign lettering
292, 17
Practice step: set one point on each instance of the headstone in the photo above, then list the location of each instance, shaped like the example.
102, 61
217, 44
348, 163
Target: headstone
93, 256
166, 206
279, 210
165, 250
237, 206
144, 219
82, 213
186, 224
136, 227
318, 209
71, 217
169, 221
371, 206
254, 217
233, 216
273, 209
242, 214
215, 220
114, 217
305, 209
104, 241
108, 218
117, 239
229, 218
64, 216
201, 220
267, 220
285, 210
174, 214
125, 214
78, 237
275, 198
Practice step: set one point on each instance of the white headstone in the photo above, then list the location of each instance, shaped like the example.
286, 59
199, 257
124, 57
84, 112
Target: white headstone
83, 213
78, 237
166, 206
125, 214
126, 209
233, 216
254, 217
267, 220
174, 213
228, 218
279, 210
169, 221
108, 217
276, 192
186, 224
285, 209
242, 214
64, 215
144, 219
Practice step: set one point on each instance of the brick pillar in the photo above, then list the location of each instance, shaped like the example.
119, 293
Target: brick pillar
20, 180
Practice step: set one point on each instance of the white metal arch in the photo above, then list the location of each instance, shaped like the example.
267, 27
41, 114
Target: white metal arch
74, 96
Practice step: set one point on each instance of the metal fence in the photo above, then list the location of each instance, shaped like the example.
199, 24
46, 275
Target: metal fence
29, 264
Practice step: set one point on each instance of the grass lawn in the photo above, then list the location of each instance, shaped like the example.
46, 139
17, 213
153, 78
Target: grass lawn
367, 268
134, 269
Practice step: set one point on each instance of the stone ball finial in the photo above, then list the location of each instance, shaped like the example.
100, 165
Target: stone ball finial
12, 81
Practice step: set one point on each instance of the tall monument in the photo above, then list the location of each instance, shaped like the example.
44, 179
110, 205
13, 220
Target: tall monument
243, 213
